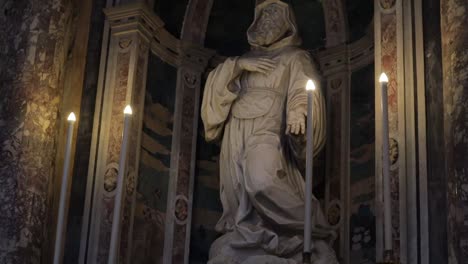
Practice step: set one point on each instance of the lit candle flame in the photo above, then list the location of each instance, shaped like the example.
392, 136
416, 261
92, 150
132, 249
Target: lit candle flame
128, 110
310, 85
383, 78
72, 117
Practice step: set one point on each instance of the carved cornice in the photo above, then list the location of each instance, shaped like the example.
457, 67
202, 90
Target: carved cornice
347, 57
138, 17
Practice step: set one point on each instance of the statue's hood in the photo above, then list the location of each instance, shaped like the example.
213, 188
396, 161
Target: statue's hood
291, 38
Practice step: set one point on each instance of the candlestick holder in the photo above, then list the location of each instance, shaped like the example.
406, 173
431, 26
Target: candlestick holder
306, 258
388, 258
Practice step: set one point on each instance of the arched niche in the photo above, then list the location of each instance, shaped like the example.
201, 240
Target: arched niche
140, 49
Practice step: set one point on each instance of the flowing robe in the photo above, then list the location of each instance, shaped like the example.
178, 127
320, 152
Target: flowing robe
261, 189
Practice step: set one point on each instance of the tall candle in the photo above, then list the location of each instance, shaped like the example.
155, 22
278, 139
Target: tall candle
63, 191
115, 235
386, 166
309, 172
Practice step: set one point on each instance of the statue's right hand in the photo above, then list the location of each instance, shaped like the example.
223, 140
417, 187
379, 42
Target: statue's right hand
262, 65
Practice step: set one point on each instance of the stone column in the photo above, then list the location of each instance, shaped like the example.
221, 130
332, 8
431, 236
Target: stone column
399, 53
389, 59
34, 37
337, 151
125, 83
90, 57
183, 157
72, 97
337, 78
337, 64
454, 18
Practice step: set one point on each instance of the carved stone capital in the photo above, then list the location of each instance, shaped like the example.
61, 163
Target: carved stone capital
139, 17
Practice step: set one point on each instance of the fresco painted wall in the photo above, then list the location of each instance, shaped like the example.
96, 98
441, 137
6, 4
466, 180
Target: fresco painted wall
207, 207
362, 159
153, 179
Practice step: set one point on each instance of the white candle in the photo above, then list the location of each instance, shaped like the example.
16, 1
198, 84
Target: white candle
115, 235
309, 172
63, 191
386, 166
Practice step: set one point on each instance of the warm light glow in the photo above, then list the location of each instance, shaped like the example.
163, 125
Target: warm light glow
310, 85
383, 78
128, 110
72, 117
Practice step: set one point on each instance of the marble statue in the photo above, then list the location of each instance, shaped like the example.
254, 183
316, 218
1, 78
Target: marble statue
256, 104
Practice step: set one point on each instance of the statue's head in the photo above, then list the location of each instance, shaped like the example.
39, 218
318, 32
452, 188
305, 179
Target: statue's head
274, 26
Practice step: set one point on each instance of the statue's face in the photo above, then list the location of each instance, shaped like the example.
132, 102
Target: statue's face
271, 25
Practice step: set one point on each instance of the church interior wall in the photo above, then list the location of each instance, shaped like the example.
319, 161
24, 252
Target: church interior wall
362, 171
84, 135
153, 178
60, 63
437, 182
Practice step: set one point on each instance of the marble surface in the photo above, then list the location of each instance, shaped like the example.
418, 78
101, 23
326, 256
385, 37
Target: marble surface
83, 147
34, 35
454, 18
437, 185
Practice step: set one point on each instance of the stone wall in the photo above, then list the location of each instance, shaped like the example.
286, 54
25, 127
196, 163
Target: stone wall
437, 182
34, 38
94, 25
454, 18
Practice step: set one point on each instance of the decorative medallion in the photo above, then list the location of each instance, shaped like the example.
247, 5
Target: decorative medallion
387, 4
394, 151
125, 43
181, 209
110, 177
336, 84
334, 213
190, 79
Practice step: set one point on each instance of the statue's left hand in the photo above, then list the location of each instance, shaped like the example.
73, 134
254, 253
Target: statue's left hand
296, 121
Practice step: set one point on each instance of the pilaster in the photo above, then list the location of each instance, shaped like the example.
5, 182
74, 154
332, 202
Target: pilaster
399, 53
337, 64
193, 63
125, 83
